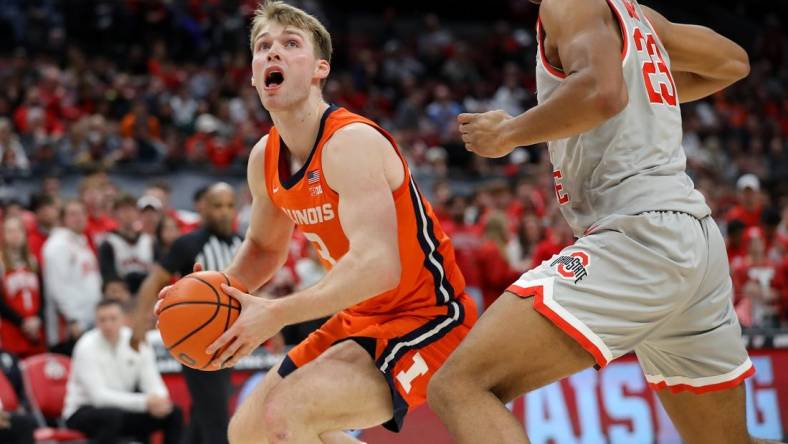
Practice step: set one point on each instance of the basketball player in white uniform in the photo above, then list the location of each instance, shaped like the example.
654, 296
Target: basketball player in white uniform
649, 272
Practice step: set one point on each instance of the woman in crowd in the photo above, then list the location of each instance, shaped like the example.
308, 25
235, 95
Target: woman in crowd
21, 330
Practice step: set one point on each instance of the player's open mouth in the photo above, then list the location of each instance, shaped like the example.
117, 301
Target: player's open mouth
273, 78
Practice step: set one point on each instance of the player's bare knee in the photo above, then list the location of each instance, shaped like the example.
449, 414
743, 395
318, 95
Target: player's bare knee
442, 389
280, 413
240, 430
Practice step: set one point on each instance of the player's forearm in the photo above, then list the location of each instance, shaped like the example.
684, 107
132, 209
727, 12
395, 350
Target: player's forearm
578, 105
354, 279
147, 295
254, 266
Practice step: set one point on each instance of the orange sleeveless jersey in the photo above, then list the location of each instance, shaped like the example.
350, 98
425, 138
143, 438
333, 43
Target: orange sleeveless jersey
430, 276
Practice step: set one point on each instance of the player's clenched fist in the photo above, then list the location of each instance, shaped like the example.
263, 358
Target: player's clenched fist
484, 133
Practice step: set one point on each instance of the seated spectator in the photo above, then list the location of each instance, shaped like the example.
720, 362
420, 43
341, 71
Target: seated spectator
117, 290
749, 206
557, 237
72, 282
92, 193
782, 232
758, 287
144, 130
16, 428
21, 329
44, 207
166, 233
16, 424
126, 253
208, 145
529, 234
187, 220
150, 214
495, 273
114, 391
770, 220
50, 186
734, 241
12, 154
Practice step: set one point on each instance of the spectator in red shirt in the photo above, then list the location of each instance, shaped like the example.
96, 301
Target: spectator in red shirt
495, 273
767, 231
758, 287
749, 208
187, 220
32, 119
557, 237
735, 243
21, 330
207, 145
782, 232
46, 218
782, 277
465, 238
93, 196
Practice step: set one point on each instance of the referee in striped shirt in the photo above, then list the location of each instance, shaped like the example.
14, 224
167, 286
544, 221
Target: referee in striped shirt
213, 246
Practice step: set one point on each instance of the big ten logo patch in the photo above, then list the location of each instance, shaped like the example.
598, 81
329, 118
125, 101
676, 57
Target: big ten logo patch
574, 266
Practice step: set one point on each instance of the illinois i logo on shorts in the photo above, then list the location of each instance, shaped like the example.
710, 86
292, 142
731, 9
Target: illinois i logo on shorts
574, 266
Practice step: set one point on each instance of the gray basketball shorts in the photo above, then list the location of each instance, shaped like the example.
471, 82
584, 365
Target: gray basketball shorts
656, 283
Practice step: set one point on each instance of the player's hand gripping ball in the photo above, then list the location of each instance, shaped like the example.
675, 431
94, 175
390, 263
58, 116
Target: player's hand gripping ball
194, 313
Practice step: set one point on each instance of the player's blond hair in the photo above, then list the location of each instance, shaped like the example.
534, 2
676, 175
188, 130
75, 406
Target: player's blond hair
286, 15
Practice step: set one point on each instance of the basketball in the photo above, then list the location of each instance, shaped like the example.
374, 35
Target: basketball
194, 314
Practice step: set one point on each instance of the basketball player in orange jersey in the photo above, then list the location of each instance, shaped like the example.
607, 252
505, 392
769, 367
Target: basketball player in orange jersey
648, 273
393, 287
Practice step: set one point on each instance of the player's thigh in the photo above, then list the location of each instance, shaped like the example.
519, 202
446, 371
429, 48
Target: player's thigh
513, 349
250, 410
341, 389
714, 417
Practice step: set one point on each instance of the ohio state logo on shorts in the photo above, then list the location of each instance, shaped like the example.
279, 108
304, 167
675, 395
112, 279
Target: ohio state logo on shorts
573, 266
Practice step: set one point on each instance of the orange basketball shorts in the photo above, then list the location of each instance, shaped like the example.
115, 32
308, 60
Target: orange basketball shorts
407, 347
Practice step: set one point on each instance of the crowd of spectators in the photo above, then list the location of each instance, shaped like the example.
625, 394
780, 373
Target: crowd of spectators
160, 86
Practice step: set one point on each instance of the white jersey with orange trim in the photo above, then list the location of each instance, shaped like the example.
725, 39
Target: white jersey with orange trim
634, 162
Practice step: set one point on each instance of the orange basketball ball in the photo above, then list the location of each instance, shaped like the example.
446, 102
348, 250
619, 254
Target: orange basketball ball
194, 314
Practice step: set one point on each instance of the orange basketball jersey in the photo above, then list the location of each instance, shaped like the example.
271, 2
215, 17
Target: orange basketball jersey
430, 276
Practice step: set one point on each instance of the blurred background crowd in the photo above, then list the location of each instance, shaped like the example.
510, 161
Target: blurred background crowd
105, 103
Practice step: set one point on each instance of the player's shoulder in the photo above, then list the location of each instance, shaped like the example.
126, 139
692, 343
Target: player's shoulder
255, 168
258, 150
354, 139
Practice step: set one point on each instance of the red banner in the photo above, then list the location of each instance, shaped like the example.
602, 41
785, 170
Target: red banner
612, 405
